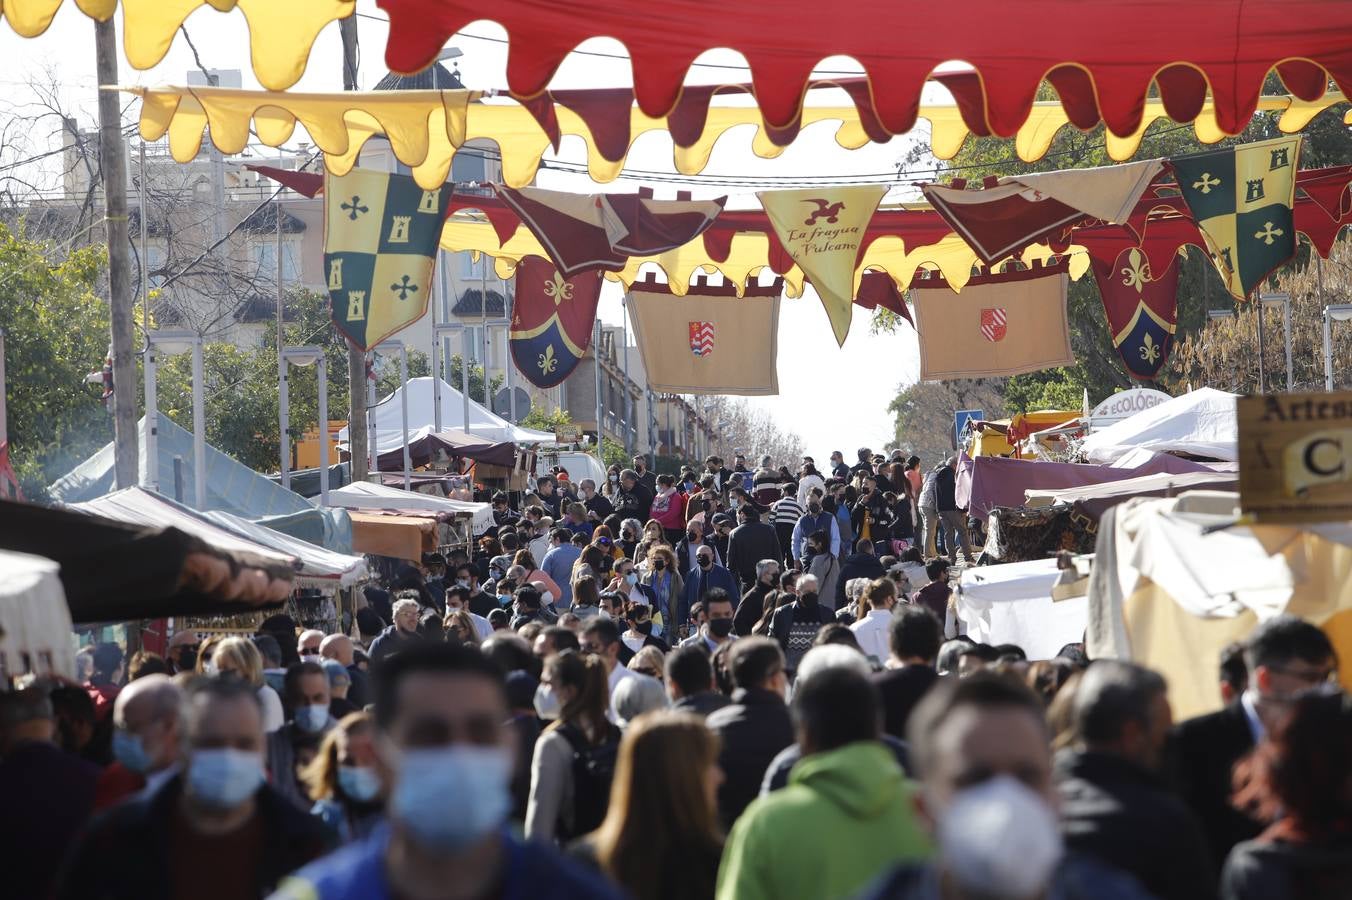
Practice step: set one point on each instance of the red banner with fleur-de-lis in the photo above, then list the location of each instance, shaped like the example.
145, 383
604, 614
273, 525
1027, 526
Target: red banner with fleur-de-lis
552, 320
1142, 309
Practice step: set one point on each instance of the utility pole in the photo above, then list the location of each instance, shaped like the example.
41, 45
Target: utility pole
356, 359
113, 169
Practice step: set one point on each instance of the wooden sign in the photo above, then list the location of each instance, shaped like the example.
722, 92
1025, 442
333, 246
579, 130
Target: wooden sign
567, 434
1295, 457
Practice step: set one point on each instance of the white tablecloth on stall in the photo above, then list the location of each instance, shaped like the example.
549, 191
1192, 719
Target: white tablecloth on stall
1012, 604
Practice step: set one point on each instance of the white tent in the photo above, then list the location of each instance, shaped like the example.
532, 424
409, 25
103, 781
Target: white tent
483, 423
34, 619
364, 495
1012, 604
1200, 423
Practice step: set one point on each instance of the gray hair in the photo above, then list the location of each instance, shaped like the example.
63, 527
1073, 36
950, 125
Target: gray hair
807, 583
830, 656
637, 695
855, 587
586, 483
634, 524
401, 605
628, 473
1113, 692
764, 566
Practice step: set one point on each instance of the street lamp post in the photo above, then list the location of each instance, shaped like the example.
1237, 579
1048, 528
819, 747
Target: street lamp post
1282, 299
306, 356
388, 348
172, 343
1341, 312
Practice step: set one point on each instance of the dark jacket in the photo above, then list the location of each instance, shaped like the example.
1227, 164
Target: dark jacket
749, 544
391, 640
649, 480
701, 704
1076, 877
125, 851
750, 608
900, 690
697, 583
753, 729
784, 616
599, 505
48, 795
857, 565
635, 502
1204, 753
945, 488
1277, 870
777, 775
1122, 814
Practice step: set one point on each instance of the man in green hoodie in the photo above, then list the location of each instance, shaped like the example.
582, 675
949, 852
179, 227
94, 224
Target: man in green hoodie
846, 816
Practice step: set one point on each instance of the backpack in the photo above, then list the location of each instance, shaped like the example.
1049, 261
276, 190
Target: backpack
593, 771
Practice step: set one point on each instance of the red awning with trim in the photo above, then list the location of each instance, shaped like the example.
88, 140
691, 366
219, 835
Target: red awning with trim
1095, 53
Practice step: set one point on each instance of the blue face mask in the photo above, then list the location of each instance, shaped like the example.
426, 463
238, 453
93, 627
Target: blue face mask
360, 783
128, 750
224, 778
312, 719
631, 578
449, 797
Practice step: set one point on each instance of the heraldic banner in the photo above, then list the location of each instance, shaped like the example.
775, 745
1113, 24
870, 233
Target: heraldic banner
1142, 310
999, 324
1242, 198
552, 320
710, 341
822, 231
381, 233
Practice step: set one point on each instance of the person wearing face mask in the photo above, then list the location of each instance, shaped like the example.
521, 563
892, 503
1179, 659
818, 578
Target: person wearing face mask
628, 585
752, 604
712, 621
237, 657
339, 648
749, 543
308, 697
402, 634
981, 748
665, 583
691, 540
214, 829
307, 645
795, 625
1115, 805
145, 739
630, 532
645, 476
598, 506
342, 780
444, 752
706, 576
822, 564
639, 631
559, 561
458, 600
1285, 656
479, 602
815, 519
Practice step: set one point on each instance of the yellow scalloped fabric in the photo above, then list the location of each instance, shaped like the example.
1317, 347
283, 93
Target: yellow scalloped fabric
425, 128
281, 32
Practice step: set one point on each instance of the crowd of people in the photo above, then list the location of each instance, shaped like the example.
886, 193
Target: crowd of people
737, 683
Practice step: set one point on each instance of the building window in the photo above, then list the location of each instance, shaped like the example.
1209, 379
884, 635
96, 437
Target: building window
265, 260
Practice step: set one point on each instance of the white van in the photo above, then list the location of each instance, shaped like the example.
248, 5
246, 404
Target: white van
579, 465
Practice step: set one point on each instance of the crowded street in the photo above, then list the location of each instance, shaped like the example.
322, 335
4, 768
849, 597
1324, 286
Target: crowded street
675, 452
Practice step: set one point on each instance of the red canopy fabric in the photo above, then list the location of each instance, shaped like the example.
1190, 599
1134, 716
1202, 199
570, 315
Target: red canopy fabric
1086, 49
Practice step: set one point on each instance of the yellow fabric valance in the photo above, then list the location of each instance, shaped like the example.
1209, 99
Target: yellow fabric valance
281, 32
426, 128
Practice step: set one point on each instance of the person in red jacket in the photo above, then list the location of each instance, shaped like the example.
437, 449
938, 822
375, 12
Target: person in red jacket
668, 508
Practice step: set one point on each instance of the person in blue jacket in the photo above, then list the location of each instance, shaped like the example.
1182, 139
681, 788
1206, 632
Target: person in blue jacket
706, 574
445, 754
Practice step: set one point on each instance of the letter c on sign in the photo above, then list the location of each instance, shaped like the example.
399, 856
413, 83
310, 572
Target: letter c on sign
1313, 449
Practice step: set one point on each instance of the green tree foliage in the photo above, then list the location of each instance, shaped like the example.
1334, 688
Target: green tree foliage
543, 420
923, 413
56, 332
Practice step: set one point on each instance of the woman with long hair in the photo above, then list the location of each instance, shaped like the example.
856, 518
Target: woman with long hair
237, 657
526, 560
604, 538
660, 839
663, 576
668, 509
459, 623
653, 535
1300, 780
588, 562
342, 779
575, 693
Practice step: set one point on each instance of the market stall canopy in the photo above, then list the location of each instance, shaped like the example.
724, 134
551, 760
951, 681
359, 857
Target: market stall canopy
1000, 482
280, 33
318, 567
35, 622
1180, 48
426, 444
426, 128
113, 571
1012, 604
1172, 585
363, 495
1200, 423
387, 416
1092, 500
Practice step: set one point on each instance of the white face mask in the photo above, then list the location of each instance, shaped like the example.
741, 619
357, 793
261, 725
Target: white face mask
1000, 839
547, 705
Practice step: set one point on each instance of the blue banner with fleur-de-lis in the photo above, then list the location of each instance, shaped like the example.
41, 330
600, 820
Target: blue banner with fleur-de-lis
381, 233
1142, 310
552, 320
